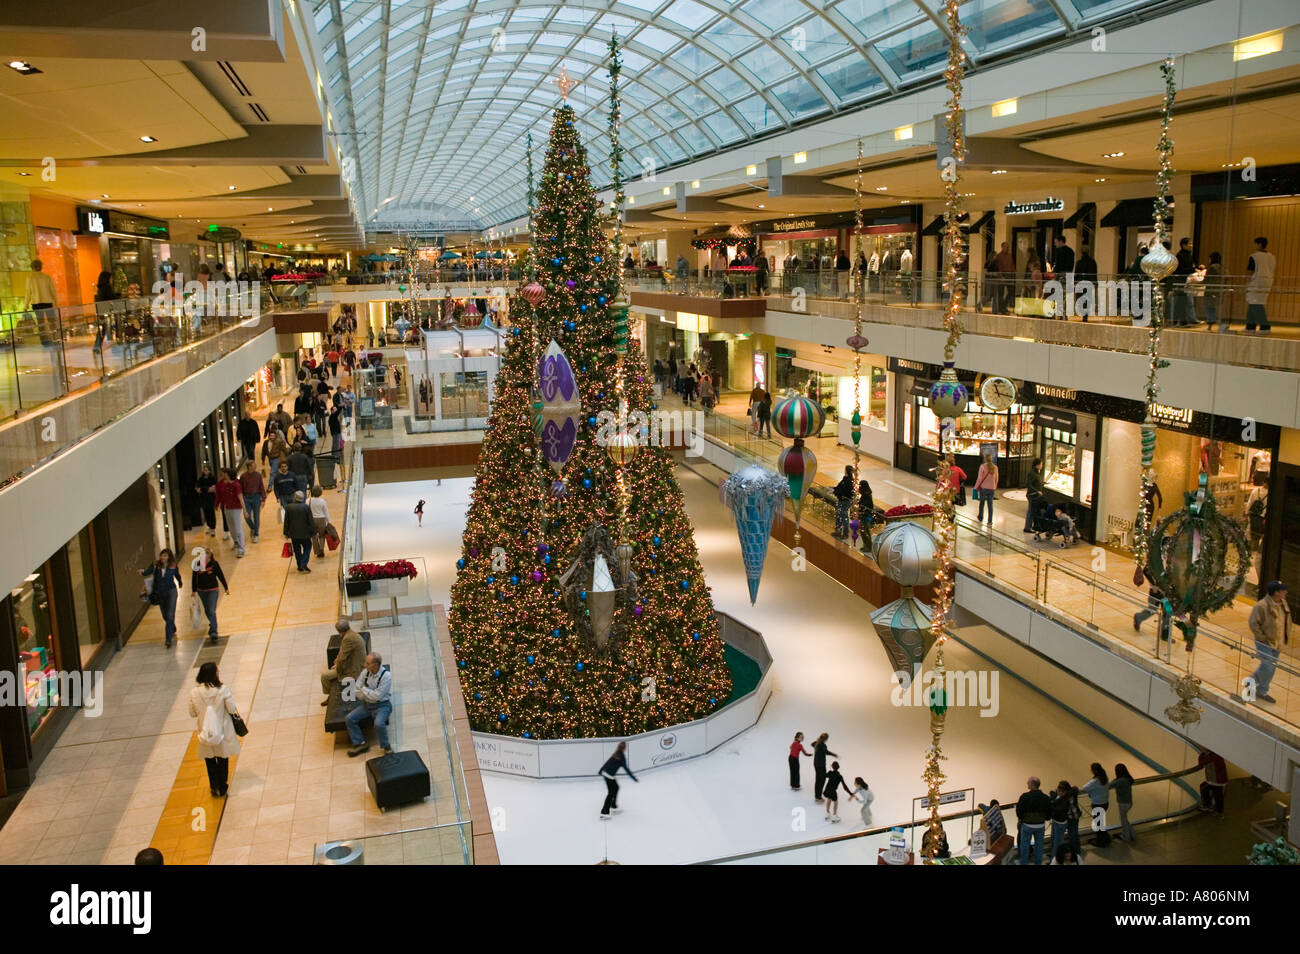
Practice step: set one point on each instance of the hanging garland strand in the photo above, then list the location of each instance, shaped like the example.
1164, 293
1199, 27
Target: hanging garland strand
1157, 264
857, 341
944, 517
619, 305
531, 266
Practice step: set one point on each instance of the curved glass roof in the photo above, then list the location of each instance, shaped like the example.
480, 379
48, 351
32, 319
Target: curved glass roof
433, 99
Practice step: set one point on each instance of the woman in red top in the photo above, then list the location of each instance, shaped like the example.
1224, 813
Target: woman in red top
333, 358
796, 750
230, 499
956, 478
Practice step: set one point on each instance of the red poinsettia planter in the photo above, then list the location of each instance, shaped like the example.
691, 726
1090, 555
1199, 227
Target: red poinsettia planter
380, 579
921, 513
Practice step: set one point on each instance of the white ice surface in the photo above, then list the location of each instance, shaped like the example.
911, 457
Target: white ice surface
832, 675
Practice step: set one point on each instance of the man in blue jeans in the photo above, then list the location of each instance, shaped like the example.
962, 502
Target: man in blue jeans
371, 696
1270, 624
299, 527
1032, 812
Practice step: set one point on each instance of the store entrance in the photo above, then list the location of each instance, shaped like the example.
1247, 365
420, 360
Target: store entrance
1036, 238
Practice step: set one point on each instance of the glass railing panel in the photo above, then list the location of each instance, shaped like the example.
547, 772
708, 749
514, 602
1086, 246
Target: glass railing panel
450, 844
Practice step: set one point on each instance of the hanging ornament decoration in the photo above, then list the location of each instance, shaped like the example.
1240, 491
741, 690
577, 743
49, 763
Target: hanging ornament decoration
1185, 711
1162, 264
622, 446
596, 584
798, 417
561, 406
906, 553
533, 293
948, 398
1198, 558
753, 494
619, 309
799, 465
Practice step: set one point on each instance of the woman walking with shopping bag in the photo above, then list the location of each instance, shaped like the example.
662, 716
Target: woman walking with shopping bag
205, 577
163, 581
219, 726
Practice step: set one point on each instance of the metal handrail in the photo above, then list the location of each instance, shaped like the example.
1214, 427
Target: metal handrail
956, 816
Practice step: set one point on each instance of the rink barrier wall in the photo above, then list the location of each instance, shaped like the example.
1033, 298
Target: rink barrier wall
577, 758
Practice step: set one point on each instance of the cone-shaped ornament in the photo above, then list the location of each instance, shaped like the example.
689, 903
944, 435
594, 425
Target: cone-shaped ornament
799, 465
754, 494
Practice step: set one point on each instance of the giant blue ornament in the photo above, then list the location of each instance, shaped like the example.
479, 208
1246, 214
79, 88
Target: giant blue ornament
558, 389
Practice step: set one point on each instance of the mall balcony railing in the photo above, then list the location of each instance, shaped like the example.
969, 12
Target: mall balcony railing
47, 356
427, 275
1157, 801
988, 293
1040, 573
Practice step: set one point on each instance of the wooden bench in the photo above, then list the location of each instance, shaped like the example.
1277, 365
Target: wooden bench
337, 710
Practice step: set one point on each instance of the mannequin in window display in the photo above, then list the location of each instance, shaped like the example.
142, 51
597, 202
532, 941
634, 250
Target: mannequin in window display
1261, 463
1211, 456
905, 271
873, 271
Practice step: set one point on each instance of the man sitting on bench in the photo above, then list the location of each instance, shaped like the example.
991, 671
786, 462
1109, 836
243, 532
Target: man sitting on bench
373, 692
349, 662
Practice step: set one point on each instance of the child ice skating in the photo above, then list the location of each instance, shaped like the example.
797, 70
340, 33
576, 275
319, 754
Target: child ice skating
419, 513
834, 780
866, 796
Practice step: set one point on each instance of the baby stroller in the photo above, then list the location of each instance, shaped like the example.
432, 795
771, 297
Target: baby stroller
1045, 525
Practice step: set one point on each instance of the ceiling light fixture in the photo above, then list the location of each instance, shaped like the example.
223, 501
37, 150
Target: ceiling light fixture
1005, 108
22, 66
148, 139
231, 188
902, 132
695, 184
1102, 179
761, 205
103, 195
1246, 49
751, 170
882, 188
667, 191
1112, 155
998, 172
24, 173
800, 158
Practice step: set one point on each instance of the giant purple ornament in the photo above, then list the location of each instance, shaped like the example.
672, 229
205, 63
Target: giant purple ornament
558, 389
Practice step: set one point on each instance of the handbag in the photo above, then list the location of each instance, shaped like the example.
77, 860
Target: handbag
241, 727
331, 536
287, 550
196, 610
960, 500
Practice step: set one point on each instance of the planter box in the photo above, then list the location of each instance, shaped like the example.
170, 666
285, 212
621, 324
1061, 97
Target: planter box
357, 588
395, 586
924, 519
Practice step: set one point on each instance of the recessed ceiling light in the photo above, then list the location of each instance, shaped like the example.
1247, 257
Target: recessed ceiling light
1102, 179
148, 139
24, 173
1112, 155
904, 201
667, 191
800, 158
231, 188
103, 195
751, 170
761, 205
882, 188
22, 66
695, 184
998, 172
270, 208
139, 205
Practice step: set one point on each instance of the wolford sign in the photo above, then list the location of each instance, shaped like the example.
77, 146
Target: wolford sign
1049, 204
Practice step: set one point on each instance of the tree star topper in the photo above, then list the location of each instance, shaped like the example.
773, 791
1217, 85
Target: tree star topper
564, 83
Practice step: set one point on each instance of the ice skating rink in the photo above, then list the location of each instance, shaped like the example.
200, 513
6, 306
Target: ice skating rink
831, 675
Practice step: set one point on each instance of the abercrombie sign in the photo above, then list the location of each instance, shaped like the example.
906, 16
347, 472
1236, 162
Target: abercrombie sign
1050, 204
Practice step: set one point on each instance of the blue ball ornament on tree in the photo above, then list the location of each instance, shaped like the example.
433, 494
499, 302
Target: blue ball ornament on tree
695, 637
514, 581
686, 584
496, 673
555, 633
582, 594
460, 564
478, 695
580, 667
531, 660
501, 717
586, 483
656, 541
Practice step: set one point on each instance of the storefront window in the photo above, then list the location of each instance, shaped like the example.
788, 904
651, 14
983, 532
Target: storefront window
37, 646
81, 576
1059, 460
1010, 430
873, 393
464, 394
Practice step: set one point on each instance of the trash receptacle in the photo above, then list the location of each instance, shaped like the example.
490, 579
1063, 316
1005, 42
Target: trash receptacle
340, 853
325, 464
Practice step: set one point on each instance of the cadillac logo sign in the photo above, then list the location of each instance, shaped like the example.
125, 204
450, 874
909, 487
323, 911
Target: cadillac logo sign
1050, 204
666, 742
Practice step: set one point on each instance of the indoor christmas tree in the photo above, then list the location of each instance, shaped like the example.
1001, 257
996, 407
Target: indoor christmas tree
522, 636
